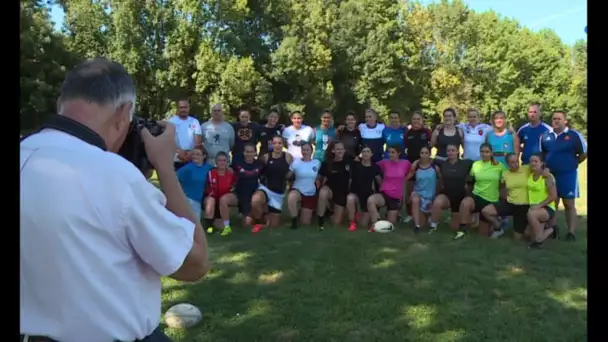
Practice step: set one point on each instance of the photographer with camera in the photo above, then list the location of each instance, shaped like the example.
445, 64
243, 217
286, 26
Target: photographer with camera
96, 236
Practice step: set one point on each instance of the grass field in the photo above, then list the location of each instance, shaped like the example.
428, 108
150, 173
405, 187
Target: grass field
305, 285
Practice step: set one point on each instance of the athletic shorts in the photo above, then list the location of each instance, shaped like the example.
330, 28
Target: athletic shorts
273, 200
480, 203
455, 200
550, 211
392, 204
426, 204
362, 198
307, 202
518, 211
339, 197
244, 204
567, 184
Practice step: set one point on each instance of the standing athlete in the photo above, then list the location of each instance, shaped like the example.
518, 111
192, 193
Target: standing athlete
447, 134
564, 149
269, 131
245, 132
187, 133
350, 136
371, 134
324, 134
530, 133
475, 134
297, 134
394, 133
218, 135
502, 140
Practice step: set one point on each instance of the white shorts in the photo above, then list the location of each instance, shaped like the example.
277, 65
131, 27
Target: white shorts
275, 200
196, 208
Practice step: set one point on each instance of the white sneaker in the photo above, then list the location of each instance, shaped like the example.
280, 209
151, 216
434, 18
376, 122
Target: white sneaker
496, 234
407, 219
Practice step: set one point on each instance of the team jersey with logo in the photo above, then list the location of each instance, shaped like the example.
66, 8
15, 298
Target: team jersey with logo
474, 136
218, 185
323, 136
266, 135
530, 138
247, 176
394, 136
562, 150
185, 131
244, 135
295, 137
372, 137
305, 173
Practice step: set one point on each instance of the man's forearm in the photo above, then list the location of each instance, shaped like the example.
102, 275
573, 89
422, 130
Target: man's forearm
177, 202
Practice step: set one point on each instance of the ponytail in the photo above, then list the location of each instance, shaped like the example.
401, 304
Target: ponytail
494, 162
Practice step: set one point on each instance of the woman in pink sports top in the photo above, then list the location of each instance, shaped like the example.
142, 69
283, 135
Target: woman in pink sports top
394, 171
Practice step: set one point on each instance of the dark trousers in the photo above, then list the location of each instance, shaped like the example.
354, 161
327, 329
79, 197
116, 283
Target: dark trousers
156, 336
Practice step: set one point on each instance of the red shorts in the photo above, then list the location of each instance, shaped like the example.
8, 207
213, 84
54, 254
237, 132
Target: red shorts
309, 202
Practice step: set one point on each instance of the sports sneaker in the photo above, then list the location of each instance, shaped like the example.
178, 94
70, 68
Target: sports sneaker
321, 228
570, 237
352, 227
535, 245
416, 229
371, 229
459, 235
210, 230
407, 219
227, 231
497, 233
256, 228
432, 230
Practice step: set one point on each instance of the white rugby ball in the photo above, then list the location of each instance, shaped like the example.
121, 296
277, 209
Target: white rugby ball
383, 226
183, 316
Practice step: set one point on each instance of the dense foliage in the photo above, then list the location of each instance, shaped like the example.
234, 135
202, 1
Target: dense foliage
308, 55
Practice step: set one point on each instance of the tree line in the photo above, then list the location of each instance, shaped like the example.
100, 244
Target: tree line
305, 55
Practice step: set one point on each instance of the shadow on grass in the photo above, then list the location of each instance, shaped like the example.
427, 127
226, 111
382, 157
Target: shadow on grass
305, 285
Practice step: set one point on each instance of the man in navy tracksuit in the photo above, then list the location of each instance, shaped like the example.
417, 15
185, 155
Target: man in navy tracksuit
564, 149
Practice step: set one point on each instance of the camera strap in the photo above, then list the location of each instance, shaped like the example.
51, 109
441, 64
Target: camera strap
73, 128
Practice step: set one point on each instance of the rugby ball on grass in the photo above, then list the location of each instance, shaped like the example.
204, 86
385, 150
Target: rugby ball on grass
183, 316
383, 226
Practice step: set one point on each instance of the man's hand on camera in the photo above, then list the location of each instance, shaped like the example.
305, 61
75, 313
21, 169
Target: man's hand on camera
160, 149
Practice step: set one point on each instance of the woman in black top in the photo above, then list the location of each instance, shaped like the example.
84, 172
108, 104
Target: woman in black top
268, 131
248, 170
416, 137
268, 198
350, 136
446, 134
335, 180
366, 177
454, 173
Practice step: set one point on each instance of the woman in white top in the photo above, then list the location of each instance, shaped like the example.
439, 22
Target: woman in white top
296, 135
302, 198
475, 134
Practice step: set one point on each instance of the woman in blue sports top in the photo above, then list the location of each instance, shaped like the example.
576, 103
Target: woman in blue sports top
394, 133
502, 139
323, 135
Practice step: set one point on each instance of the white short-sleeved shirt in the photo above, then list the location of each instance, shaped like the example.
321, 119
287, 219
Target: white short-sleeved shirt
305, 173
185, 131
294, 137
473, 138
95, 240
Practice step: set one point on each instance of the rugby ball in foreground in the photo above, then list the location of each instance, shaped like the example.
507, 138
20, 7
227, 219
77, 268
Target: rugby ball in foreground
183, 316
383, 226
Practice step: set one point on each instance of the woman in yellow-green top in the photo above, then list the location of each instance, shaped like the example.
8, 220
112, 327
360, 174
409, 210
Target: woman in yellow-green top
542, 194
485, 176
515, 181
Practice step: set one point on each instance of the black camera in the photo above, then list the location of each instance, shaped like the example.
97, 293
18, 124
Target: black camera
133, 148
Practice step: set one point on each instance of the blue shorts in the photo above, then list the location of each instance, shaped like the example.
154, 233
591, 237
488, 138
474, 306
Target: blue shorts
567, 185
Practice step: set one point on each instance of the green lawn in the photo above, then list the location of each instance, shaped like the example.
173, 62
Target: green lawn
305, 285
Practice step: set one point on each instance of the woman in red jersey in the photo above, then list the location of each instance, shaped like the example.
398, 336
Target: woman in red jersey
219, 194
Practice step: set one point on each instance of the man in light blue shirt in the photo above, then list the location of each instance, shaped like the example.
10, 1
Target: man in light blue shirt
187, 133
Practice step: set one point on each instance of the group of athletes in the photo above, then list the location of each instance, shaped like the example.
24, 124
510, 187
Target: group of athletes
353, 170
